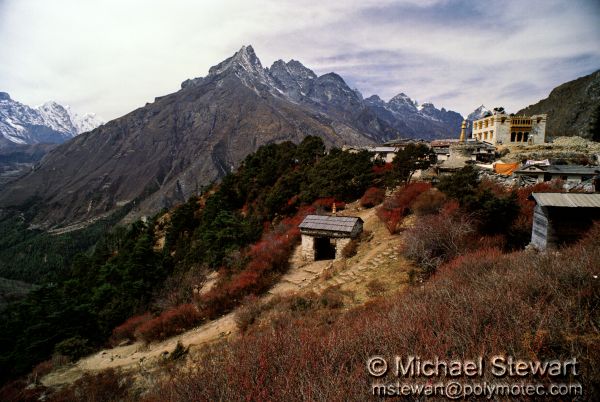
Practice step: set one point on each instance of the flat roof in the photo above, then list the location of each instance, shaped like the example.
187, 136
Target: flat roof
560, 169
384, 149
568, 200
330, 223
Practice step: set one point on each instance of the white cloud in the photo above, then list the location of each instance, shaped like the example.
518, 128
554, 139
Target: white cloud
112, 56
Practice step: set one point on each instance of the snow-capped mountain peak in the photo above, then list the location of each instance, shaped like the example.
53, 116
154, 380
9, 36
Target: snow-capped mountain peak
478, 113
329, 93
83, 123
50, 122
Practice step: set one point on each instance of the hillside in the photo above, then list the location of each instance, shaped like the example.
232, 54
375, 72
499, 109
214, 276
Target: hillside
376, 257
573, 108
368, 304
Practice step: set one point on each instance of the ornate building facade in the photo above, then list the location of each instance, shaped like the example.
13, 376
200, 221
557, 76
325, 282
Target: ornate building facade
501, 128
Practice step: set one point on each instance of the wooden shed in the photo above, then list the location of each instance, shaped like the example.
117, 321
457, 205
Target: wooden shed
562, 218
325, 236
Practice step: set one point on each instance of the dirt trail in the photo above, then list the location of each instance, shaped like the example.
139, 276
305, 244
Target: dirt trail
377, 259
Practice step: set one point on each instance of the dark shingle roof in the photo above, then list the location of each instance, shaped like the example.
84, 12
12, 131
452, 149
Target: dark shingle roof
329, 223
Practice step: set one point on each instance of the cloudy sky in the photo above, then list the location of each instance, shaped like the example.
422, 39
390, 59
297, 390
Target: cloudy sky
112, 56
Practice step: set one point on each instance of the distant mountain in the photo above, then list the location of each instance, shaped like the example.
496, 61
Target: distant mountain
573, 108
414, 120
162, 153
476, 114
48, 123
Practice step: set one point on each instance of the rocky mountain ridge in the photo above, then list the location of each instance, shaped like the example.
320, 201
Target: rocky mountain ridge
573, 108
160, 154
48, 123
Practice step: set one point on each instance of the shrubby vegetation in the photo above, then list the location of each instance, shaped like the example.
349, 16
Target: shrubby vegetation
396, 207
527, 305
95, 280
130, 286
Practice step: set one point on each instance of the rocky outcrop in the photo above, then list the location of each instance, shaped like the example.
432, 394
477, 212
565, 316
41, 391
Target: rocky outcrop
573, 108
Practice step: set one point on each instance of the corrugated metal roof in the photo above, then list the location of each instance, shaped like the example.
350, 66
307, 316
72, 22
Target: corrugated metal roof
330, 223
571, 200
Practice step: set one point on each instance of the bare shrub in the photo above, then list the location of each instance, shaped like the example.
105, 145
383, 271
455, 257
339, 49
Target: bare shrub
350, 249
332, 297
40, 370
527, 305
179, 288
106, 386
248, 313
375, 288
435, 239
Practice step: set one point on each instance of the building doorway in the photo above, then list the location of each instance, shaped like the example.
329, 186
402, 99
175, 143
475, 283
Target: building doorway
324, 250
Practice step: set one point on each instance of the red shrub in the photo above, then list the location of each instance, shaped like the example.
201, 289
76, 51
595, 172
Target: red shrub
372, 197
527, 305
169, 323
525, 218
398, 205
327, 203
267, 260
126, 331
381, 170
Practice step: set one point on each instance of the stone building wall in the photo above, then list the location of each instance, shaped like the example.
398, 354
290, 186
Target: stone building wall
340, 243
308, 247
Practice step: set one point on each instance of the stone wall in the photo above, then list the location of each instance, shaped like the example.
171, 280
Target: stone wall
340, 243
308, 247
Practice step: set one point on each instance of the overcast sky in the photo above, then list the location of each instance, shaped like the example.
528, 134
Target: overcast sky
112, 56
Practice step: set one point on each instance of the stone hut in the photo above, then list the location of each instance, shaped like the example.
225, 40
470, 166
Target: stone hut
324, 237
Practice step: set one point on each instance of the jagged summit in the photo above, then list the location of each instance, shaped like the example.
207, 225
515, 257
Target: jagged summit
296, 83
244, 59
402, 97
50, 122
478, 113
160, 154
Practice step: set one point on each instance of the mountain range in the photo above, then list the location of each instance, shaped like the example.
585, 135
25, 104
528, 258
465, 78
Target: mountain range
50, 123
162, 153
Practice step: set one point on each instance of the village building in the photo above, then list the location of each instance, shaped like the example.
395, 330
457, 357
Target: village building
501, 128
462, 152
562, 218
324, 236
481, 151
402, 143
570, 174
380, 153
